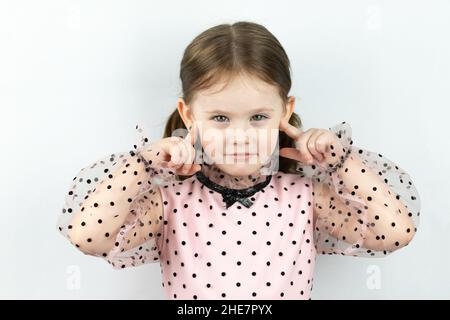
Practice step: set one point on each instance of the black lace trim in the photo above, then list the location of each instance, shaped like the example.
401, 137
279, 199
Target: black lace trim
230, 196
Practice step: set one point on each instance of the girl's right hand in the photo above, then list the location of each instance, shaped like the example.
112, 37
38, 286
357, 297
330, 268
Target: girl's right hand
176, 153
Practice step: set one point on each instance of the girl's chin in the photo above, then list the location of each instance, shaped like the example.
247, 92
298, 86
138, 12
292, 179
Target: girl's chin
239, 169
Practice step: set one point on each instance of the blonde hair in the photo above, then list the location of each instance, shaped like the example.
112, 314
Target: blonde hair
226, 50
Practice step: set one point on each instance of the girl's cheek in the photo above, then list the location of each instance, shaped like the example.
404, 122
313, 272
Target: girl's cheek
212, 144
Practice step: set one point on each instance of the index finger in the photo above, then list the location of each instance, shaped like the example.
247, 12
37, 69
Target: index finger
191, 136
290, 130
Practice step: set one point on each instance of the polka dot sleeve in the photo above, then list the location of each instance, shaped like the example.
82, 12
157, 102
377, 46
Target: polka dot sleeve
367, 207
113, 207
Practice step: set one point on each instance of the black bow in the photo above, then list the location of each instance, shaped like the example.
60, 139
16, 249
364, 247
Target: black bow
230, 196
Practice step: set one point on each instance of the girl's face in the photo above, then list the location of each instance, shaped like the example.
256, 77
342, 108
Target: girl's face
238, 124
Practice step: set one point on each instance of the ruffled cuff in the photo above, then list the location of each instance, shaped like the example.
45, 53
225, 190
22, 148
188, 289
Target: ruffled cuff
85, 183
393, 176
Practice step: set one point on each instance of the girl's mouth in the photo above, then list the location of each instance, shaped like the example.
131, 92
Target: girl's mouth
240, 155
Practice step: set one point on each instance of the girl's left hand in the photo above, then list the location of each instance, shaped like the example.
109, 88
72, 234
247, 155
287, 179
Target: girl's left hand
314, 146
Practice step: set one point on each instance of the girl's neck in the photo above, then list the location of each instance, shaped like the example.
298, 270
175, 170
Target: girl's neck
226, 180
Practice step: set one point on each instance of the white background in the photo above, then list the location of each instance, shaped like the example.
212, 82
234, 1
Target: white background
76, 76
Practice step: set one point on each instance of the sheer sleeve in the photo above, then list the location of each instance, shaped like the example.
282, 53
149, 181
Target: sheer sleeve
114, 204
367, 207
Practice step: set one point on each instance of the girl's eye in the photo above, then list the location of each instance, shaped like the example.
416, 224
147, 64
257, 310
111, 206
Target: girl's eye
259, 115
220, 116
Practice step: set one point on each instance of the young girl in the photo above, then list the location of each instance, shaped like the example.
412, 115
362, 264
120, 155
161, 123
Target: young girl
230, 214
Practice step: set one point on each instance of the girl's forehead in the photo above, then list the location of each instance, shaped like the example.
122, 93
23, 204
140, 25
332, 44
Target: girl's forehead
238, 95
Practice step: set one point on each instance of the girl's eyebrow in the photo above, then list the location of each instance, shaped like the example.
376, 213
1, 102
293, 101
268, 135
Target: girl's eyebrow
252, 111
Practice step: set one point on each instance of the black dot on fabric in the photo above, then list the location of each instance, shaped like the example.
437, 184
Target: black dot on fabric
96, 204
83, 224
99, 221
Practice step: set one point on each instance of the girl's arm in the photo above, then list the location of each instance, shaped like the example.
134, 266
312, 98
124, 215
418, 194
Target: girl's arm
383, 223
114, 209
364, 204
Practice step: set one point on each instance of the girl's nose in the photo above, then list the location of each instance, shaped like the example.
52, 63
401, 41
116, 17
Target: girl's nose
240, 138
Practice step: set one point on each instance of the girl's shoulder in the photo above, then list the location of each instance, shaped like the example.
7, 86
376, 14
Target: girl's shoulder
281, 177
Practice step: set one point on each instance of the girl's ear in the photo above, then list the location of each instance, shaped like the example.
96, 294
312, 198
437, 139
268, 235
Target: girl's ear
185, 112
289, 108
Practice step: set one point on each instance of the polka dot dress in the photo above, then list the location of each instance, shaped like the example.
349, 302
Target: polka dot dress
217, 236
265, 251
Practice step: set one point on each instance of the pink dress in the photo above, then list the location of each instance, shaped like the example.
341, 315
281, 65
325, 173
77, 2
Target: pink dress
222, 237
265, 251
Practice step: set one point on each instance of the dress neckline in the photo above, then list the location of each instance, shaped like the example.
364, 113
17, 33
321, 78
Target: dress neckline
231, 195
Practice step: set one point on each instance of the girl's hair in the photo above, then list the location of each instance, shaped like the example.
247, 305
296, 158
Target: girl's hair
224, 51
